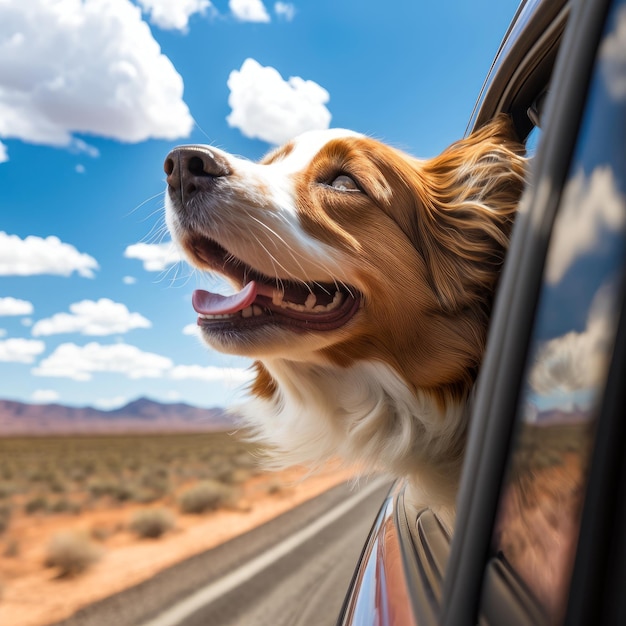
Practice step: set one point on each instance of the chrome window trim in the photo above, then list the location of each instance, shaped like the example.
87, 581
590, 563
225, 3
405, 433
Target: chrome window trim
536, 29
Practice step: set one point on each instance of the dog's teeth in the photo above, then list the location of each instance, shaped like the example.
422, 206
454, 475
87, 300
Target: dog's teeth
257, 310
247, 312
310, 304
285, 304
331, 306
337, 300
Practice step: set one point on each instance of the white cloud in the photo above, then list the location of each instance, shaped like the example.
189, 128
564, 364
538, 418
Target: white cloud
85, 66
266, 107
191, 329
20, 350
27, 321
14, 306
80, 362
173, 15
79, 169
129, 280
4, 153
590, 206
89, 317
155, 256
108, 404
35, 255
249, 10
3, 332
45, 396
80, 146
285, 10
578, 360
210, 373
613, 55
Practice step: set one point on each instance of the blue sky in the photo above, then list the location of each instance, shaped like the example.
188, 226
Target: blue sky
93, 309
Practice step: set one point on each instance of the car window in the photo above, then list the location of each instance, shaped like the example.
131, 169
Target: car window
537, 524
532, 141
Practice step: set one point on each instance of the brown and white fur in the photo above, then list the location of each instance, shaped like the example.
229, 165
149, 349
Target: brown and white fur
383, 374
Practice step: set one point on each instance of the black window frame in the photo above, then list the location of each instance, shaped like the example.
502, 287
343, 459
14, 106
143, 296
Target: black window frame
514, 314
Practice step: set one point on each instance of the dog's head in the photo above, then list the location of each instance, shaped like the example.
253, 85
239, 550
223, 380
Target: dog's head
341, 249
363, 281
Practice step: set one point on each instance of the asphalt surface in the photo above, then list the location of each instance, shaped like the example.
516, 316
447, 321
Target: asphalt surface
291, 571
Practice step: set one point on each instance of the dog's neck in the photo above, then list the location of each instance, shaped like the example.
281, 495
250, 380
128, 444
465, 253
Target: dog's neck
365, 414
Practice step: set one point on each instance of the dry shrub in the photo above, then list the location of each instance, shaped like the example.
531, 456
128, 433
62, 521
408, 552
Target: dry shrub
7, 489
72, 553
232, 475
241, 475
152, 523
100, 532
246, 460
5, 516
36, 504
145, 496
99, 487
274, 487
205, 496
63, 505
152, 486
56, 484
12, 549
116, 489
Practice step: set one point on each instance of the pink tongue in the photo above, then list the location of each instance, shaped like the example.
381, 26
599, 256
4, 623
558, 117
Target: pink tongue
207, 303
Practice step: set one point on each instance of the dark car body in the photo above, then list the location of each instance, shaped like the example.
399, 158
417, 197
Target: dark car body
540, 532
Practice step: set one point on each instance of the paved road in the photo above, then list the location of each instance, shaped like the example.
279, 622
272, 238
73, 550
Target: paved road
292, 571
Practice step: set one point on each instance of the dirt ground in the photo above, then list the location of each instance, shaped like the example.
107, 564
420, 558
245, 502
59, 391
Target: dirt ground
34, 595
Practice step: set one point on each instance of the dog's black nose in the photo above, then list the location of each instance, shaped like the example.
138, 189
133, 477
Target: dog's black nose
191, 169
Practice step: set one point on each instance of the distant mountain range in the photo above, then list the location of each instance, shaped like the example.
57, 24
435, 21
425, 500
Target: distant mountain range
141, 415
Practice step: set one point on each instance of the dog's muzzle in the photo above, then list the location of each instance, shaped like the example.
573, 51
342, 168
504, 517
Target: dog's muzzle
193, 169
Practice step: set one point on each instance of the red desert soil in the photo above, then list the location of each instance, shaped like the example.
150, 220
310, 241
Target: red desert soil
32, 595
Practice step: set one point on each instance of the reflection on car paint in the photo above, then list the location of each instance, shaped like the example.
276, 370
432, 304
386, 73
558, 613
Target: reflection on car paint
539, 512
383, 597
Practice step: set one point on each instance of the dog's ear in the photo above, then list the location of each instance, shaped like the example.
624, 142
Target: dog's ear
468, 198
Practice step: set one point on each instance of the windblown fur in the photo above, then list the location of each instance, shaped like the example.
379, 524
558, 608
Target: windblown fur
412, 250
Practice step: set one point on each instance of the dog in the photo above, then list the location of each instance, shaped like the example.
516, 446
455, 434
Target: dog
364, 280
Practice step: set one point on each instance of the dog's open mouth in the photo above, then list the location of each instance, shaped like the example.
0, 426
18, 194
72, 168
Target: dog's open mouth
262, 300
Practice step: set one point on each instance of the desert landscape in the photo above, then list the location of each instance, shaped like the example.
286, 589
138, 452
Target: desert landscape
85, 516
538, 520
